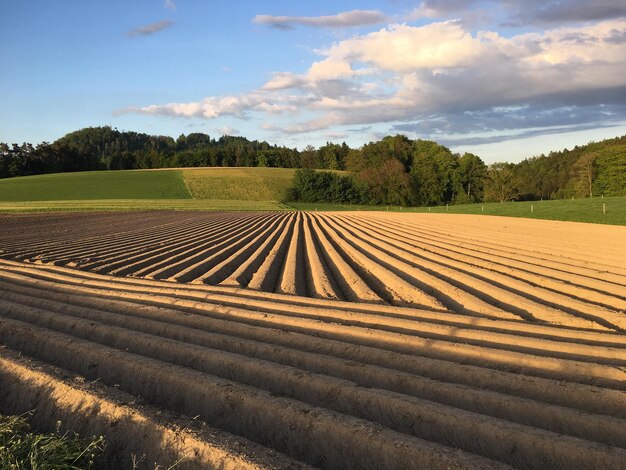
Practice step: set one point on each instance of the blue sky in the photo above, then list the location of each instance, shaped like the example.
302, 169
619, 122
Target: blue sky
506, 79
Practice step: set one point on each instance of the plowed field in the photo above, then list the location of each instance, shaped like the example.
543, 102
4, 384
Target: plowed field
337, 340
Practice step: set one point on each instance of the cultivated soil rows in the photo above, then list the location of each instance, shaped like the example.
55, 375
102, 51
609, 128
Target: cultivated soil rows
278, 381
559, 273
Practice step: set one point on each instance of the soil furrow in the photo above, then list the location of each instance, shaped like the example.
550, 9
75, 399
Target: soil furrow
604, 294
404, 414
315, 435
292, 278
352, 286
547, 253
577, 396
51, 395
384, 282
244, 271
144, 263
223, 269
542, 304
583, 287
319, 278
190, 267
183, 256
266, 277
161, 247
274, 303
60, 236
61, 252
452, 297
557, 419
543, 366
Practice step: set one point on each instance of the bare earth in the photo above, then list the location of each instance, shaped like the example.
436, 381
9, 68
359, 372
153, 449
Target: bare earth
336, 340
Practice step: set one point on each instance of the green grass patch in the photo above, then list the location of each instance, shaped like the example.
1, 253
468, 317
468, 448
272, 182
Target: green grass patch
244, 184
92, 185
141, 205
248, 189
576, 210
20, 448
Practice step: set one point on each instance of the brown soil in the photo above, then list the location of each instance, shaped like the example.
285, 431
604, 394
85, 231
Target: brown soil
500, 268
446, 341
137, 435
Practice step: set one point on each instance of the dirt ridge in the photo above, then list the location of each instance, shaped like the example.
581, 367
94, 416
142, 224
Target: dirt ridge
331, 340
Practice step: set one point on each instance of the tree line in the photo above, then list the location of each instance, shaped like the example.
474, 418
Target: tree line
394, 170
400, 171
104, 148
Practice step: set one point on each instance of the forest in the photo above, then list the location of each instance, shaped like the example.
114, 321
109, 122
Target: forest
394, 170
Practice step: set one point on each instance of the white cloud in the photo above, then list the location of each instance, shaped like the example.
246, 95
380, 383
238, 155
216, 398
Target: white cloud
227, 130
403, 48
330, 69
341, 20
284, 80
209, 108
169, 4
234, 105
439, 72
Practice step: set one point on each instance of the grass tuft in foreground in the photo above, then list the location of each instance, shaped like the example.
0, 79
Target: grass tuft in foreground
21, 449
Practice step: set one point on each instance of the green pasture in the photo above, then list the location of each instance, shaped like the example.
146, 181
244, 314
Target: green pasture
141, 205
91, 185
244, 189
173, 189
596, 210
244, 184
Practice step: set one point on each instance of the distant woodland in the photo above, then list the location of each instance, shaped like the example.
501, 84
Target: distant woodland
395, 170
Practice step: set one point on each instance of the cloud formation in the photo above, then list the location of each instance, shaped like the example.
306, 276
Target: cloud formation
283, 80
169, 4
227, 130
149, 28
524, 12
441, 68
345, 19
498, 124
443, 79
235, 105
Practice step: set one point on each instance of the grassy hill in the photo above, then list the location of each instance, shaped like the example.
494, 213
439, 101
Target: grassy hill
93, 185
189, 188
242, 189
245, 184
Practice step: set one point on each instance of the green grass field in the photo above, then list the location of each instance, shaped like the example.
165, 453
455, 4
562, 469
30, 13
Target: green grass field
142, 204
179, 189
245, 184
242, 189
90, 185
576, 210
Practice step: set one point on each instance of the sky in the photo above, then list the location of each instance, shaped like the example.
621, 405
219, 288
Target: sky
504, 79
